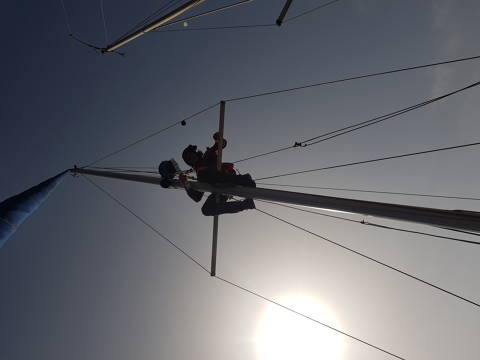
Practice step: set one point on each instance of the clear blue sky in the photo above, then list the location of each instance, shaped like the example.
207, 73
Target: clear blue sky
83, 279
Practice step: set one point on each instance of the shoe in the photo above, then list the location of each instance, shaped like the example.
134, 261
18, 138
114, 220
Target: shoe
247, 181
249, 204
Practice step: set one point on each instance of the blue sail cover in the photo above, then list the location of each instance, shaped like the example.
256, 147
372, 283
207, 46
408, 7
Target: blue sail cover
14, 210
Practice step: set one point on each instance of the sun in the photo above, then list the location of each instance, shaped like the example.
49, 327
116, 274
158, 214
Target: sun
283, 335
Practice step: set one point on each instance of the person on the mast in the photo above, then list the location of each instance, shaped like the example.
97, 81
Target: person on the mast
205, 166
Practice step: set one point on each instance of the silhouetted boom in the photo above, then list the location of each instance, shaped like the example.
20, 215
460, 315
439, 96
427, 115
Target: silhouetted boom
452, 219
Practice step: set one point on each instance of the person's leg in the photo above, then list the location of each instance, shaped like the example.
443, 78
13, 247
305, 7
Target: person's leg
248, 181
243, 180
211, 207
215, 177
210, 176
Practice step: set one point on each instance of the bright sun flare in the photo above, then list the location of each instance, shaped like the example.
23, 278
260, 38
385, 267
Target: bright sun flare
283, 335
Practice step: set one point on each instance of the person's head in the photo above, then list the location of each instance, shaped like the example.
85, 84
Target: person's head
167, 169
190, 155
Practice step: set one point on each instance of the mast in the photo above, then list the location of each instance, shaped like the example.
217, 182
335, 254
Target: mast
16, 209
451, 219
152, 25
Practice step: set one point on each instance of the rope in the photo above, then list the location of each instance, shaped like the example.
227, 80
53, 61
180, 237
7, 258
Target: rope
462, 231
127, 167
268, 153
102, 10
373, 191
218, 28
126, 170
67, 21
358, 77
373, 160
371, 259
372, 224
96, 48
256, 294
180, 122
391, 115
183, 252
311, 11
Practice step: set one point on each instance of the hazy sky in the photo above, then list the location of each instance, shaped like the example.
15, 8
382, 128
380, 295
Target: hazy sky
83, 279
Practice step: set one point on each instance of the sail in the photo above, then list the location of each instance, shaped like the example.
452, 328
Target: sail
14, 210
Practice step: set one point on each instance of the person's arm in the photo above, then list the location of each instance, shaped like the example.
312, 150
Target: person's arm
192, 194
216, 137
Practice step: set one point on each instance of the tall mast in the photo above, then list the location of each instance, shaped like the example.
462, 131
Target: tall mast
451, 219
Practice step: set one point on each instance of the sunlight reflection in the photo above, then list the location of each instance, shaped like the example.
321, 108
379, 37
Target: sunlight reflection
283, 335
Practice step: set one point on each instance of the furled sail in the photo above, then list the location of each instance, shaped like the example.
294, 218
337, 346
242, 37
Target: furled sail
14, 210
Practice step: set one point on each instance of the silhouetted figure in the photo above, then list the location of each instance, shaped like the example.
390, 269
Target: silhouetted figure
205, 166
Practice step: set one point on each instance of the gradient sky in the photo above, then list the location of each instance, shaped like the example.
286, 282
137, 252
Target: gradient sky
83, 279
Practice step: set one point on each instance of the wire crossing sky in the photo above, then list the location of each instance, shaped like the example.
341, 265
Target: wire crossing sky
373, 160
364, 222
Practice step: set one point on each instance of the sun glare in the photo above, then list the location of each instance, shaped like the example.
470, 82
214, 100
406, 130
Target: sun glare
283, 335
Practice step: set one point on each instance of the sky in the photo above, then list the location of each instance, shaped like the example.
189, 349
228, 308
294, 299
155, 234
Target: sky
83, 278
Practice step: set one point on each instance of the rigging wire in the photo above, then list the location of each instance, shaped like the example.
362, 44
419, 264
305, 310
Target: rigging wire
373, 160
67, 21
461, 231
362, 222
348, 129
243, 26
310, 11
145, 223
370, 258
358, 77
102, 10
219, 28
209, 12
125, 170
157, 12
373, 191
126, 167
96, 48
151, 135
390, 115
256, 294
423, 233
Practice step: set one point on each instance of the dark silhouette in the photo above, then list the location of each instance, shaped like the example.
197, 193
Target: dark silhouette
205, 166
